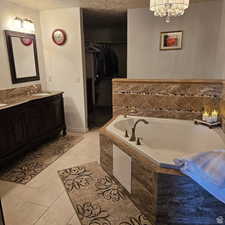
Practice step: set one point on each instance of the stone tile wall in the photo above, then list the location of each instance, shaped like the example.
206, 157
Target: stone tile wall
166, 99
143, 184
18, 92
222, 107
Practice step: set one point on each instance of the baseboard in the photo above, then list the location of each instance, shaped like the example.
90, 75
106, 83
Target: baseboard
77, 130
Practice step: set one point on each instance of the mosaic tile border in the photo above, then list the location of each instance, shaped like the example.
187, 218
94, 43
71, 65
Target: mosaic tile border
167, 98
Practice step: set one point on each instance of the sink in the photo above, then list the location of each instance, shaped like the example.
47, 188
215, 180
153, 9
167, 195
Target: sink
42, 94
2, 105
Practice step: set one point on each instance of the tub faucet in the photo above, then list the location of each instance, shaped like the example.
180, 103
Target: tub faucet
133, 135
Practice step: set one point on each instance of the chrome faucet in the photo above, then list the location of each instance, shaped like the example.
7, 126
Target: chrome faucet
133, 135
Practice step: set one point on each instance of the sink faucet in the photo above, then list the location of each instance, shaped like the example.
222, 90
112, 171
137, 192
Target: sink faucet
133, 135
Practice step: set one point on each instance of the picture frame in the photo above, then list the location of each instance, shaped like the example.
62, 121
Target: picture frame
171, 40
59, 36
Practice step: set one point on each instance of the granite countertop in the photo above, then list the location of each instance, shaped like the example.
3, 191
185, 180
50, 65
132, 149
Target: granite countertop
10, 102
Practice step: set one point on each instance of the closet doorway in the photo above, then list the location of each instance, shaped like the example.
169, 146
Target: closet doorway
105, 34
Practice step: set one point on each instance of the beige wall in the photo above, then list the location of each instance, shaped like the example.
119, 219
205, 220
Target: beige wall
8, 11
64, 64
197, 60
220, 57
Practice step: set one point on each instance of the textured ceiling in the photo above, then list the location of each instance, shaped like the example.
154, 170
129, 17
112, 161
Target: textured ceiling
96, 4
102, 17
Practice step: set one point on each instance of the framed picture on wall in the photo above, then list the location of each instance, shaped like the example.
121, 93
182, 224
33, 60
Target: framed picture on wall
59, 36
171, 40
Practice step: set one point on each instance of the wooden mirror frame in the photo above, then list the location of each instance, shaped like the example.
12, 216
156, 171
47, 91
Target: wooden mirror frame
9, 35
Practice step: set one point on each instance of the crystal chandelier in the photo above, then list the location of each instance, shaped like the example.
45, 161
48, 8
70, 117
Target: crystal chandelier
168, 8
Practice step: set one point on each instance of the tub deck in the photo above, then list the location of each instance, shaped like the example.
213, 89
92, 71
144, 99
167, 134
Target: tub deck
163, 195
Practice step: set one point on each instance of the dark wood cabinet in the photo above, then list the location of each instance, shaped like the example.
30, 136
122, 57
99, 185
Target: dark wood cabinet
29, 124
2, 222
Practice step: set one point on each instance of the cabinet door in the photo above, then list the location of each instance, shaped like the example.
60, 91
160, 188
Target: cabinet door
34, 116
122, 167
53, 116
43, 116
4, 133
13, 133
17, 126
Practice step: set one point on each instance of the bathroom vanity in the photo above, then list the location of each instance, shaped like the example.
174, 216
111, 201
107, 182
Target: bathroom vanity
147, 172
28, 121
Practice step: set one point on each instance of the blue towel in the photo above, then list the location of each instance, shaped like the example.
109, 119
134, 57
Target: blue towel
208, 170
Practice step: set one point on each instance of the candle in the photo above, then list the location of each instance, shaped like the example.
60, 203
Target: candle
209, 119
214, 116
205, 116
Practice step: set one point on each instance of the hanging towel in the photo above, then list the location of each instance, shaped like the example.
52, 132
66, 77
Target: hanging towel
208, 170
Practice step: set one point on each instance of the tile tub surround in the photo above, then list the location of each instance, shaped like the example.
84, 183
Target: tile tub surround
164, 196
222, 107
179, 99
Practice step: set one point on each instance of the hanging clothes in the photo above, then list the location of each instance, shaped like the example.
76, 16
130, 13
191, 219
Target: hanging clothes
111, 62
107, 63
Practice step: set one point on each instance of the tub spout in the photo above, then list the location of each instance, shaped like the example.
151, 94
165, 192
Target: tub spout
133, 133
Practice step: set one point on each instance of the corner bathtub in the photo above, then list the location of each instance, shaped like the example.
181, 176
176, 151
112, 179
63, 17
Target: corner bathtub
162, 193
167, 139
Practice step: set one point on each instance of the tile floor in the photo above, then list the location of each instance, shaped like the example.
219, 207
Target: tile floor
43, 201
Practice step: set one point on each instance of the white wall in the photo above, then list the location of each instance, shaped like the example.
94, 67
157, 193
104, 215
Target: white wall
201, 25
8, 11
64, 64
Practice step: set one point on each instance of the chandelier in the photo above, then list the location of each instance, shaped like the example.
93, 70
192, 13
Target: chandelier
168, 8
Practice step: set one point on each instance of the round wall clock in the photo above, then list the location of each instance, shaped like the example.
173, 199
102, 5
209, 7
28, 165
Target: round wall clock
26, 41
59, 36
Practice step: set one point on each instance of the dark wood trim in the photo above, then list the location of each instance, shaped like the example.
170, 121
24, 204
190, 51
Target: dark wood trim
9, 35
2, 221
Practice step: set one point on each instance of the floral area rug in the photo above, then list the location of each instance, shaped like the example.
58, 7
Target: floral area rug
27, 167
98, 198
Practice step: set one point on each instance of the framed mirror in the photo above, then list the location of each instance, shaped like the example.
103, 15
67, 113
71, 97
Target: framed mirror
23, 58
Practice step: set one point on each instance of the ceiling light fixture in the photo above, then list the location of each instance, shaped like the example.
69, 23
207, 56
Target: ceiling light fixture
168, 8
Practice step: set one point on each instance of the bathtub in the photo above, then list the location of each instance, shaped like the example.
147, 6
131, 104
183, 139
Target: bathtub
167, 139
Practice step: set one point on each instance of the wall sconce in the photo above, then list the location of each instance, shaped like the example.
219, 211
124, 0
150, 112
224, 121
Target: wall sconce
17, 24
28, 25
23, 25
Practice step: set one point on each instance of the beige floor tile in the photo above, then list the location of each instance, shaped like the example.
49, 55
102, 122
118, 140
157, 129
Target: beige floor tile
25, 213
45, 194
7, 187
60, 213
74, 221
